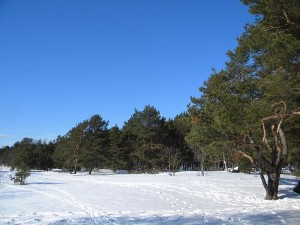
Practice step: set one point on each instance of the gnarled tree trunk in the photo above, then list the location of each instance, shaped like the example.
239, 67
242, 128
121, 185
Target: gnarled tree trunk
271, 186
271, 165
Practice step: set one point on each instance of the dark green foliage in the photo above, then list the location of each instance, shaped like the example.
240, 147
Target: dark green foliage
175, 131
138, 146
23, 152
6, 156
95, 143
33, 154
85, 145
297, 173
119, 157
22, 172
245, 166
61, 152
144, 131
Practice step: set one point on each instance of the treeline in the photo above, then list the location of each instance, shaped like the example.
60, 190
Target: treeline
146, 143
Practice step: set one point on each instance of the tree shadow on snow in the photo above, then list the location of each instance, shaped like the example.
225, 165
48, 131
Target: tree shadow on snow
273, 217
43, 183
288, 181
150, 220
288, 192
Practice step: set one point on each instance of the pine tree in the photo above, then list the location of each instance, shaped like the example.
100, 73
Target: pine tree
94, 152
144, 129
257, 95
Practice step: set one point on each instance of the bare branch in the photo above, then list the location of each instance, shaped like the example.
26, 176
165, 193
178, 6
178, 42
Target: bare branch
295, 112
279, 126
264, 130
265, 140
284, 106
288, 20
247, 156
278, 149
284, 142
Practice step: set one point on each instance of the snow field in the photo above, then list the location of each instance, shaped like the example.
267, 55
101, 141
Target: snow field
218, 198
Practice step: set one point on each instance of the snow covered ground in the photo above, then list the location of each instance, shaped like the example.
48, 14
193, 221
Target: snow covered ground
217, 198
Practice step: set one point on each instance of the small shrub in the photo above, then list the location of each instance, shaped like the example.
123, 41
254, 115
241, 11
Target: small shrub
21, 174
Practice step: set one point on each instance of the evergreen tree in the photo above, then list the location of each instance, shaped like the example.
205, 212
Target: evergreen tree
23, 160
94, 152
62, 152
6, 156
144, 129
257, 95
84, 145
24, 154
118, 158
175, 131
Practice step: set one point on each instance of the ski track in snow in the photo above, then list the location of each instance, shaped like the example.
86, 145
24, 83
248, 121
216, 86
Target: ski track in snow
182, 197
68, 198
102, 219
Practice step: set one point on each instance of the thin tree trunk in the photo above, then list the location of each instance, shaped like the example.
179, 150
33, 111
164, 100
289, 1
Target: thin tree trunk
170, 171
224, 162
75, 166
202, 166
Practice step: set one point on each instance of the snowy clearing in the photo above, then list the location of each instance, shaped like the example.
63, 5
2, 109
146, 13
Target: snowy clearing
217, 198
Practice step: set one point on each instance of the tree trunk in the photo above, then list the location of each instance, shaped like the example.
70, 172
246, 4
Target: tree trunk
170, 165
224, 162
272, 166
273, 185
202, 166
75, 166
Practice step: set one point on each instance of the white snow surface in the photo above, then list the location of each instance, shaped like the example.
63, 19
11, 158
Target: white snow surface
82, 199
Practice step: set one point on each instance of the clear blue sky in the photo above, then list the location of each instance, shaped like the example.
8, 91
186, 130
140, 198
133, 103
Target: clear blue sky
62, 61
